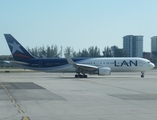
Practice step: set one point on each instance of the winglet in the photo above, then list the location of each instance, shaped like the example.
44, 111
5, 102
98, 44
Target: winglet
70, 61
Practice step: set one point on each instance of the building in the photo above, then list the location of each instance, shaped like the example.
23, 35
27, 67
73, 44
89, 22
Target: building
154, 44
147, 55
133, 45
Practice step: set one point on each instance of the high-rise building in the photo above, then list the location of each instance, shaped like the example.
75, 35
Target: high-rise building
133, 45
154, 44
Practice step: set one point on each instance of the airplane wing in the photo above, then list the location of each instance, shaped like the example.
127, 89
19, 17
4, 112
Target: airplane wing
81, 67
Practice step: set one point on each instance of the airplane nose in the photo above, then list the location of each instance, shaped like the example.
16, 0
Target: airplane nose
152, 65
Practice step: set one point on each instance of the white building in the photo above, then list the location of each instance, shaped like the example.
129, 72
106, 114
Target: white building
133, 45
154, 44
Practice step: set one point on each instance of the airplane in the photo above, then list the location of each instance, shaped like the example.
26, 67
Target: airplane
81, 66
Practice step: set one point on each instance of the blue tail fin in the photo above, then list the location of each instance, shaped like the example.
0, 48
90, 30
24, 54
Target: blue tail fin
18, 51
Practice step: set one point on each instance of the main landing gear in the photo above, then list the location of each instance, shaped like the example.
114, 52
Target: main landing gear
80, 76
142, 74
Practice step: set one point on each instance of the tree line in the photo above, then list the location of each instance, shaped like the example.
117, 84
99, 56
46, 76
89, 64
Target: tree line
92, 51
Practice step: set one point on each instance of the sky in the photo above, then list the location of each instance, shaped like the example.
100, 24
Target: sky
77, 23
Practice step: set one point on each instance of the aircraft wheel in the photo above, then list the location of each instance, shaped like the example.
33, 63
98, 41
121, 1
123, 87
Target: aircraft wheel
76, 76
80, 76
142, 76
85, 76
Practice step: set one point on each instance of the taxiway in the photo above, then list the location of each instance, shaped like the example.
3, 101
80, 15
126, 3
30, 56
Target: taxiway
56, 96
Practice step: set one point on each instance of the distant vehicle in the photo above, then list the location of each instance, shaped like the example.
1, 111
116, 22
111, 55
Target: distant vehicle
80, 66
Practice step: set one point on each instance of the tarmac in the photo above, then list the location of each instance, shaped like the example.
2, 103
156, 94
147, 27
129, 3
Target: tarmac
57, 96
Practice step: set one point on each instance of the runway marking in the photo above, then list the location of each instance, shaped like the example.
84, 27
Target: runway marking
4, 86
16, 105
20, 111
14, 101
25, 118
10, 96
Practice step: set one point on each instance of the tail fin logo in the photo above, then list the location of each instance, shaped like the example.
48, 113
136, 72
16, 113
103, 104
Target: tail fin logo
15, 47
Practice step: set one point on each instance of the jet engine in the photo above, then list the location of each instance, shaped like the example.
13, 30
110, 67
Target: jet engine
104, 71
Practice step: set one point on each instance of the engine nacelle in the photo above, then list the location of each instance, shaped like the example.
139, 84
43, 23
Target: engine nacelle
104, 71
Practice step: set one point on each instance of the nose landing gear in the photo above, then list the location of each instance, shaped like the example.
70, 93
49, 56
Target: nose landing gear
142, 74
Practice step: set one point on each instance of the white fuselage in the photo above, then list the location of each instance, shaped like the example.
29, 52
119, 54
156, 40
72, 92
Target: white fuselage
127, 64
121, 64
